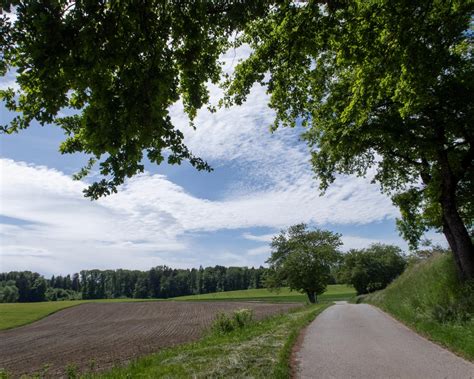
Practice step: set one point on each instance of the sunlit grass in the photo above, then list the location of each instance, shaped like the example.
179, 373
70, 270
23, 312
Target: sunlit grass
334, 292
427, 293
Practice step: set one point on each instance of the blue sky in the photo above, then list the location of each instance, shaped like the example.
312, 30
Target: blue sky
174, 215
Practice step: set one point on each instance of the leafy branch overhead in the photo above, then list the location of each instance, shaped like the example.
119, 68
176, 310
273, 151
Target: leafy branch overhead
120, 66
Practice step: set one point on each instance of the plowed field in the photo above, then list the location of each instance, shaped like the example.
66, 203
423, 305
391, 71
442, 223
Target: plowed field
98, 336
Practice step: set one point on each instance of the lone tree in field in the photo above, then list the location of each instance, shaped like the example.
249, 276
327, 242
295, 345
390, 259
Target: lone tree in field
302, 260
381, 85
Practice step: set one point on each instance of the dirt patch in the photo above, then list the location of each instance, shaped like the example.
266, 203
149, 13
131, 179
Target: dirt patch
98, 336
294, 352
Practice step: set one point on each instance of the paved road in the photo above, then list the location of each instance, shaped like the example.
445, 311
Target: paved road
360, 341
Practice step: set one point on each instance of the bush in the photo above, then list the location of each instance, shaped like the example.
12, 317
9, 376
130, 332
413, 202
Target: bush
242, 317
58, 294
372, 269
8, 292
225, 323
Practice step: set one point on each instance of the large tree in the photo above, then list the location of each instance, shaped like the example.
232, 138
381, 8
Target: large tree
302, 259
384, 87
384, 84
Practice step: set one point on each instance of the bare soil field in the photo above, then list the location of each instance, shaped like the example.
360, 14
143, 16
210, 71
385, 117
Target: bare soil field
98, 336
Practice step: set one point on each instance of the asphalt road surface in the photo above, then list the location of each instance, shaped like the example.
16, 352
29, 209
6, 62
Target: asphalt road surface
360, 341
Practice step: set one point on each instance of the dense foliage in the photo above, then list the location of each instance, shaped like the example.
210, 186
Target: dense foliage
22, 286
302, 259
8, 292
373, 268
119, 66
158, 282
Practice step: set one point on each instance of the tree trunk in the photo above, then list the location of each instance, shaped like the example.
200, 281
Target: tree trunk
453, 225
459, 241
311, 296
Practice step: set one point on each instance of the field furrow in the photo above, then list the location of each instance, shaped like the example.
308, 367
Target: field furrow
98, 336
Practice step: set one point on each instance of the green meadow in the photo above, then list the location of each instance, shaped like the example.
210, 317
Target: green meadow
334, 292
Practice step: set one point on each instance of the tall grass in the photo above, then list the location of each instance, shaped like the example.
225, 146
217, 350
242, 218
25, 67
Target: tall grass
226, 323
430, 298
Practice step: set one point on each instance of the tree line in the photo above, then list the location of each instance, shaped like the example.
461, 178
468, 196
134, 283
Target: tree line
303, 259
158, 282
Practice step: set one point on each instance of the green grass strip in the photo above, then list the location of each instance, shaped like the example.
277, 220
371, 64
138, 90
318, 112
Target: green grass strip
333, 292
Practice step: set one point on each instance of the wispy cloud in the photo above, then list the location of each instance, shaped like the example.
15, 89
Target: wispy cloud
259, 237
151, 220
261, 250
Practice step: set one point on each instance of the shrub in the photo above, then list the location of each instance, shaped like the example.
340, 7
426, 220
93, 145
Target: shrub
372, 269
225, 323
8, 292
58, 294
242, 317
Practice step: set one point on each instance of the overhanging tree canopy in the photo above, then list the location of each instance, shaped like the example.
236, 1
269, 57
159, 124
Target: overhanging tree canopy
121, 65
378, 83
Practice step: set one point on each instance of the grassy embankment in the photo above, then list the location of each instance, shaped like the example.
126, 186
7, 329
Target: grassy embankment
259, 350
17, 314
429, 298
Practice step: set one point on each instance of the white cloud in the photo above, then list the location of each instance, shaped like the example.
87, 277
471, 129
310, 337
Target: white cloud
261, 250
259, 238
9, 81
356, 242
150, 220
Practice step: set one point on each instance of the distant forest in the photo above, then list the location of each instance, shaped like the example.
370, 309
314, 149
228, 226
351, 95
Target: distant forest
159, 282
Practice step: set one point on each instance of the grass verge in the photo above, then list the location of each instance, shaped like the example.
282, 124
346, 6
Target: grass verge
429, 298
260, 350
13, 315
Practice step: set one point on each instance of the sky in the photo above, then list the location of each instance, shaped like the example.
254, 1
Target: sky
174, 215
